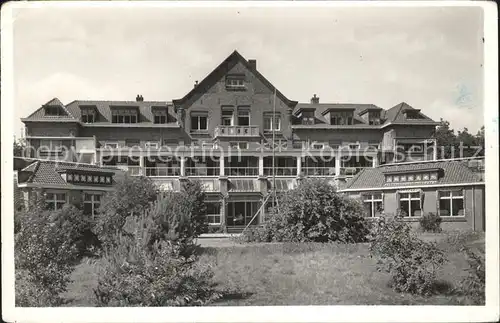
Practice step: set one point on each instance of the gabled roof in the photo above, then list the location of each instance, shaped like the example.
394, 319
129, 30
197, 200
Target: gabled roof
221, 70
104, 108
453, 172
47, 172
396, 115
39, 114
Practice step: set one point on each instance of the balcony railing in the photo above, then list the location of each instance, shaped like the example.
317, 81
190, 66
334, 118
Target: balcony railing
202, 171
163, 171
318, 171
236, 131
135, 170
280, 171
350, 171
241, 171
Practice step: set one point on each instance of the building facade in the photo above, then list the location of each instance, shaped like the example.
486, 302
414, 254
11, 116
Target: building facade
452, 189
236, 133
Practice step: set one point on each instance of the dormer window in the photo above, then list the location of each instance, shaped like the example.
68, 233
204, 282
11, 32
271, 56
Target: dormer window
53, 111
412, 114
374, 117
160, 116
341, 118
235, 82
124, 116
88, 115
308, 117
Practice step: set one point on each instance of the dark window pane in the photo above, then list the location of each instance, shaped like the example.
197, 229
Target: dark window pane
87, 208
415, 206
405, 208
368, 209
203, 123
458, 207
444, 207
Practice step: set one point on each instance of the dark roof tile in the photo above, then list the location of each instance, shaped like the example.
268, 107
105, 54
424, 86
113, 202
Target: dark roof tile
454, 172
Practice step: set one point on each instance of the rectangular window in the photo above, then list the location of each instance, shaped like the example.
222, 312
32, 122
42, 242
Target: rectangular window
91, 202
235, 82
55, 201
88, 115
353, 146
272, 123
52, 111
160, 116
160, 119
227, 117
124, 116
373, 204
213, 212
151, 145
308, 117
243, 117
318, 146
451, 203
410, 204
199, 122
341, 118
239, 145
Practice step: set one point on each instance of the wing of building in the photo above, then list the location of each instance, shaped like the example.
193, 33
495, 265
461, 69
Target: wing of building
233, 130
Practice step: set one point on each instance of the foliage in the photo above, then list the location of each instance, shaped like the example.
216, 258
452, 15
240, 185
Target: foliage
138, 273
462, 144
131, 195
255, 234
314, 212
46, 247
18, 147
411, 262
430, 222
474, 284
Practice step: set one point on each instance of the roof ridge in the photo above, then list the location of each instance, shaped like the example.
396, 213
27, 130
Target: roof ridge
32, 176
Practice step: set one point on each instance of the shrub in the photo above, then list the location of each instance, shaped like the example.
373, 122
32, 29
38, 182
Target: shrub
430, 222
474, 284
411, 262
255, 234
131, 195
138, 273
315, 212
46, 248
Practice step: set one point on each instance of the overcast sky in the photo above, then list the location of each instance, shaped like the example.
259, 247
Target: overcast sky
430, 58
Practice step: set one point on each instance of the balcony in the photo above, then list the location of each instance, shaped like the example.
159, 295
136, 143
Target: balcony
236, 131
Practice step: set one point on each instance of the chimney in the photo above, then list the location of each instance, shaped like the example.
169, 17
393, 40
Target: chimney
195, 83
314, 100
252, 63
139, 98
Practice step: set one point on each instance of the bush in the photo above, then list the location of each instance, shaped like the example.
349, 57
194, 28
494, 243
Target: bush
138, 273
314, 212
131, 195
411, 262
474, 284
430, 222
255, 234
46, 248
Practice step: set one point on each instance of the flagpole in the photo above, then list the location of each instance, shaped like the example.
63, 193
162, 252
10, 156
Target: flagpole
274, 146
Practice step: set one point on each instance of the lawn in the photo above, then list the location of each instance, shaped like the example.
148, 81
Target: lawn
303, 274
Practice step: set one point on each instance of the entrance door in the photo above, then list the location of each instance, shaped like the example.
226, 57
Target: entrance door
240, 213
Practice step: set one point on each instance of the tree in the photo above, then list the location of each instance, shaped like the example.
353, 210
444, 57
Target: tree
462, 144
445, 139
131, 195
19, 146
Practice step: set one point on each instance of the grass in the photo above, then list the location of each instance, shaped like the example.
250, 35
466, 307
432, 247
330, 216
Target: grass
306, 274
